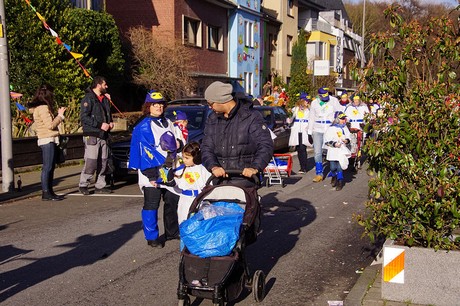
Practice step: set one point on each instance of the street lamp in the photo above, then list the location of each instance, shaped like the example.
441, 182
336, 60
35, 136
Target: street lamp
363, 33
5, 111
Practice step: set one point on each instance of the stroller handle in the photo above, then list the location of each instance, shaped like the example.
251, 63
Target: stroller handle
233, 173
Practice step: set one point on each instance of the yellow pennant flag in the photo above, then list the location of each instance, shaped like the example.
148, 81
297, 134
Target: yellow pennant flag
76, 55
40, 16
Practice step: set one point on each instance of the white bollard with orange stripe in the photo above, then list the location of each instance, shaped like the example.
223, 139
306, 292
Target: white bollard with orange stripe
393, 265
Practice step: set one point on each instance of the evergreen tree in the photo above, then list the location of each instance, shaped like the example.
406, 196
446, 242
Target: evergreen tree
300, 81
37, 58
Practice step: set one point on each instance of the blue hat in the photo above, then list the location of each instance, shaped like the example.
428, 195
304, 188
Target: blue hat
154, 96
323, 94
340, 115
304, 96
168, 142
180, 115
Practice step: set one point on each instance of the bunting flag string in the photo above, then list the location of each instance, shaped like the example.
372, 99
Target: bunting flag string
20, 107
75, 55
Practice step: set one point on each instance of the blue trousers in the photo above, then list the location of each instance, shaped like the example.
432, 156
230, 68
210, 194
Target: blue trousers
48, 156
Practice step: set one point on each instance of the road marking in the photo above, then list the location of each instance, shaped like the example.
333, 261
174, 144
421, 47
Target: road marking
106, 195
393, 265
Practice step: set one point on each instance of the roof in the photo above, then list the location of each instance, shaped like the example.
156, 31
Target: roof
326, 5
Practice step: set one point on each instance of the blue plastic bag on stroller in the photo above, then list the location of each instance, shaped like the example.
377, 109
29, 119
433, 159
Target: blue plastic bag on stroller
213, 230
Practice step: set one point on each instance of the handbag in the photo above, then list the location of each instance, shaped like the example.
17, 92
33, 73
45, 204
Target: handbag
61, 149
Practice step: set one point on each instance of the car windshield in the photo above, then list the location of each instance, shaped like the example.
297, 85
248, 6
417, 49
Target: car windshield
195, 115
266, 114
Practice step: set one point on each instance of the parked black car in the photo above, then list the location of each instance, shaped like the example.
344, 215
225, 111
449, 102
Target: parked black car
197, 111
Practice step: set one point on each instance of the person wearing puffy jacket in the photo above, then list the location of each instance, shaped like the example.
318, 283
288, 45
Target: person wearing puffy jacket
235, 136
46, 126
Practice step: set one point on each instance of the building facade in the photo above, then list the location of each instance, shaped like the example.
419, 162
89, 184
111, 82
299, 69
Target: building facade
244, 41
248, 41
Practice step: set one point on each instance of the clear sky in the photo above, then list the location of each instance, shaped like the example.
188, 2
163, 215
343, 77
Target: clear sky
452, 3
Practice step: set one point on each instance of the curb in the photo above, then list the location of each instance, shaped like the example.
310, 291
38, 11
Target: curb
6, 198
360, 289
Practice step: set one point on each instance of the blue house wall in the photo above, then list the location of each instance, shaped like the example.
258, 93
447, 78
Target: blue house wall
245, 59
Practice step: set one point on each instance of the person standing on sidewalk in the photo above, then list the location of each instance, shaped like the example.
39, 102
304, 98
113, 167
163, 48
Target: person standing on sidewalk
96, 120
321, 116
148, 156
46, 126
299, 130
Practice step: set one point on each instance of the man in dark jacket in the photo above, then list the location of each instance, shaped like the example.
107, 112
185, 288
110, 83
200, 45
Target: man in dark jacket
96, 120
235, 136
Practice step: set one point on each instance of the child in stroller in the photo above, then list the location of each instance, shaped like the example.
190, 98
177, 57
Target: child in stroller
222, 278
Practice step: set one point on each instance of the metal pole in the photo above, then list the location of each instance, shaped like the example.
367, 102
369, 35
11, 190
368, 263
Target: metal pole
363, 33
5, 111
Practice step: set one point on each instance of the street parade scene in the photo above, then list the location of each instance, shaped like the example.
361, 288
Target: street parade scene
230, 152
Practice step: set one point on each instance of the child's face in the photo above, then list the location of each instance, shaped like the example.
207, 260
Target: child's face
182, 122
188, 159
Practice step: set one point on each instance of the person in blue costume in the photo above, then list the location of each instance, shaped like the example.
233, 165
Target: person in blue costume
148, 155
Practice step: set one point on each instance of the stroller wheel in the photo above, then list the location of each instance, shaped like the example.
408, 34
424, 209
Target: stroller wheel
258, 285
185, 301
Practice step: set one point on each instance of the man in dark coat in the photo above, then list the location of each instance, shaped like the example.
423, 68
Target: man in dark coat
235, 136
96, 120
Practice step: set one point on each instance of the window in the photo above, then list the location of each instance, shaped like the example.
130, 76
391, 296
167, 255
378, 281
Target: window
290, 7
248, 34
289, 45
215, 38
192, 32
95, 5
272, 42
80, 3
321, 50
248, 80
331, 56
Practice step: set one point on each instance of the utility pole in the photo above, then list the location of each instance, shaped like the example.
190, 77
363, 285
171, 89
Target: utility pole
363, 33
5, 111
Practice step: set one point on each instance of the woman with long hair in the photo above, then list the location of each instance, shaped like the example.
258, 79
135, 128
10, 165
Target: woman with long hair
299, 130
46, 127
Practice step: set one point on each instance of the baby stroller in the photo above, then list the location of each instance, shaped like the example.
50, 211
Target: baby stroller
223, 278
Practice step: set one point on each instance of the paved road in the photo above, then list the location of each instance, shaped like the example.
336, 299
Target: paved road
90, 250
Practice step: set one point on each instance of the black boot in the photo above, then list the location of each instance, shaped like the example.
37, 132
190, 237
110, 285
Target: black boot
47, 196
339, 185
56, 195
334, 181
50, 188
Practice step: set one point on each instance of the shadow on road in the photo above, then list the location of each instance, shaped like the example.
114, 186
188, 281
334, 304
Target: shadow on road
85, 251
282, 223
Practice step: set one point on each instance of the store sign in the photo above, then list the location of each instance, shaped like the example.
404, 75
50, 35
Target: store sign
321, 67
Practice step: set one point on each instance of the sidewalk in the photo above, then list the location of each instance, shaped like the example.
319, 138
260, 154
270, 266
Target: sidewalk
366, 291
65, 177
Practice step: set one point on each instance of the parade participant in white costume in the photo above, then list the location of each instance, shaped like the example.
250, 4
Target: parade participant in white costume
336, 138
299, 129
190, 179
322, 111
